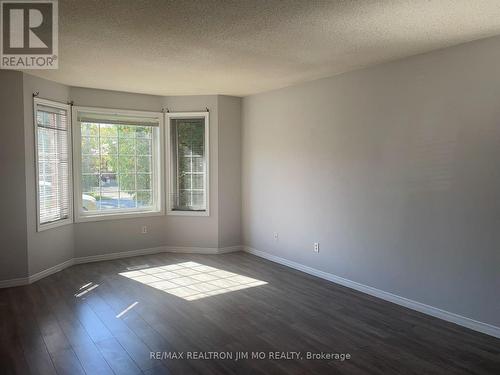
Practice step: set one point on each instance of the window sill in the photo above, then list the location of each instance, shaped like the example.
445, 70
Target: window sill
187, 213
55, 224
118, 216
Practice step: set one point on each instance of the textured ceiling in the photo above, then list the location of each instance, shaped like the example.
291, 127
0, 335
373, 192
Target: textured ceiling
242, 47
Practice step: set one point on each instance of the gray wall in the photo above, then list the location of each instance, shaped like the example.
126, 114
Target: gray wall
229, 171
13, 248
394, 169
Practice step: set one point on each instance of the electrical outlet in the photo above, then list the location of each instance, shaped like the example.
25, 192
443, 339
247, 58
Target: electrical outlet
144, 230
275, 236
316, 247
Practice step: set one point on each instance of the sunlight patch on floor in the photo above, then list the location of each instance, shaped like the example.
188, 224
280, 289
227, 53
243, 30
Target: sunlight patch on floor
127, 310
85, 286
89, 287
191, 280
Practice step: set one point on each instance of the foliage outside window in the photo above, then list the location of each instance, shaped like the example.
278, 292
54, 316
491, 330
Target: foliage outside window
119, 164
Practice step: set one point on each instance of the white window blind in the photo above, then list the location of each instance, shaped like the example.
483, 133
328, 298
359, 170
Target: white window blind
188, 164
53, 162
118, 163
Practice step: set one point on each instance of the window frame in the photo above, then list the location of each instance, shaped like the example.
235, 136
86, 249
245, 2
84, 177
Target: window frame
170, 180
158, 174
40, 227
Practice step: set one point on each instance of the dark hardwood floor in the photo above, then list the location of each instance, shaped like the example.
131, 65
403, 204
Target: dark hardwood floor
90, 319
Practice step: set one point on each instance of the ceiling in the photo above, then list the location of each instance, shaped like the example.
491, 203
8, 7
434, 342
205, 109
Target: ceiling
242, 47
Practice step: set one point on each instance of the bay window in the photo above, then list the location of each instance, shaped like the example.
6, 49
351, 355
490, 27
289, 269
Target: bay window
117, 168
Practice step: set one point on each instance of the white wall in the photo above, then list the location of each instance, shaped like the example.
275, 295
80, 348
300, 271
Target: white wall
394, 169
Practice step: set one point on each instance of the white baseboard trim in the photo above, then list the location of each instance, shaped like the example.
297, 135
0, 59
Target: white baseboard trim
14, 282
191, 250
202, 250
229, 249
414, 305
124, 254
49, 271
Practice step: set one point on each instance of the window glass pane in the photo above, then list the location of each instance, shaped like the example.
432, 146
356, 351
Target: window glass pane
198, 198
109, 145
127, 181
143, 181
109, 163
117, 165
143, 146
90, 130
191, 181
109, 191
109, 181
128, 199
90, 164
126, 164
144, 199
127, 146
90, 182
90, 201
144, 164
143, 132
107, 130
90, 146
198, 164
125, 131
191, 199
